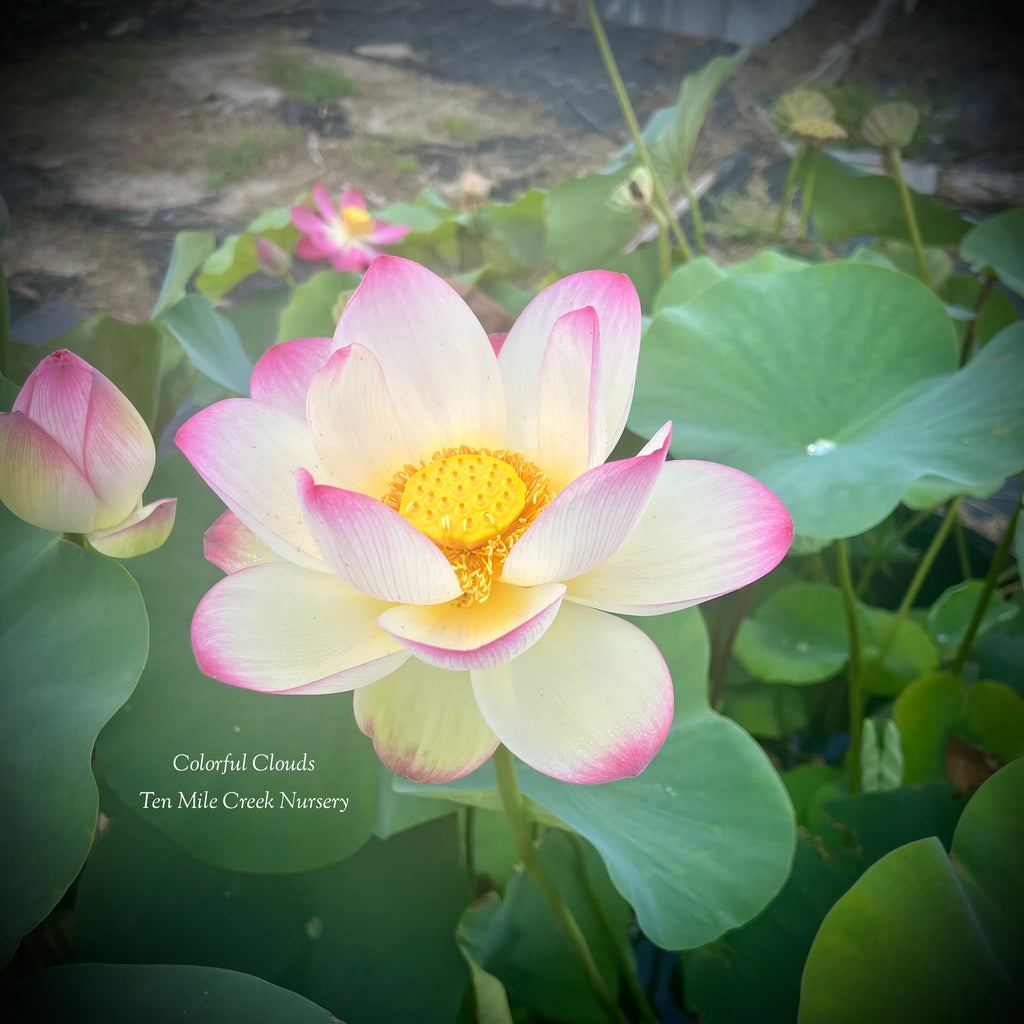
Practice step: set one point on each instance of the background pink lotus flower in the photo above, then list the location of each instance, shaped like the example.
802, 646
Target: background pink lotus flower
431, 524
346, 234
75, 456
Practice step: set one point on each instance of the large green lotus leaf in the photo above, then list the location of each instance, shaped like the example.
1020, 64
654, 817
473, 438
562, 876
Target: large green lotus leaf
921, 936
256, 320
587, 220
517, 940
847, 203
964, 294
311, 311
145, 361
939, 705
837, 387
211, 341
804, 781
127, 994
190, 250
798, 635
950, 615
911, 653
235, 258
341, 936
753, 974
692, 278
73, 640
177, 711
709, 832
514, 231
768, 711
997, 244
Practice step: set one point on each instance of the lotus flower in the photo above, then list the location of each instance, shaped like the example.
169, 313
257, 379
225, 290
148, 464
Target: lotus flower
346, 234
75, 456
423, 516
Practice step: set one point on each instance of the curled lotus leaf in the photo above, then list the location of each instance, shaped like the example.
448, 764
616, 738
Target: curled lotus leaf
802, 104
891, 124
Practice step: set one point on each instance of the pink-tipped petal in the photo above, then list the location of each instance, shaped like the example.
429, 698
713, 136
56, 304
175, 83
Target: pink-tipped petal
356, 431
39, 481
387, 234
119, 452
591, 701
353, 258
424, 723
282, 374
373, 548
352, 197
278, 627
483, 635
143, 531
497, 340
439, 366
618, 312
56, 398
588, 520
230, 545
324, 204
571, 431
306, 220
708, 529
248, 453
307, 249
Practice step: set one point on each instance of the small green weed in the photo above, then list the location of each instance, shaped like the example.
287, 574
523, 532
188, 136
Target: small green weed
310, 82
225, 164
461, 130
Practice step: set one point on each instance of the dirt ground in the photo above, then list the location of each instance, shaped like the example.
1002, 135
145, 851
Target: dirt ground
115, 136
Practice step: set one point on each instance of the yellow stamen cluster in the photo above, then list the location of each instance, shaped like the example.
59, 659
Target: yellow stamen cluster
474, 504
356, 220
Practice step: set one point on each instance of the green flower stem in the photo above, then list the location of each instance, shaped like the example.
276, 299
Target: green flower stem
664, 247
990, 582
617, 942
698, 219
721, 651
512, 801
805, 202
612, 70
469, 851
908, 212
962, 555
290, 280
853, 680
787, 191
923, 568
967, 349
883, 549
5, 327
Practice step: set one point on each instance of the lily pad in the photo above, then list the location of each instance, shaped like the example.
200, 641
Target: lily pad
190, 250
711, 831
940, 705
997, 244
311, 311
922, 936
178, 718
73, 640
126, 994
951, 614
838, 388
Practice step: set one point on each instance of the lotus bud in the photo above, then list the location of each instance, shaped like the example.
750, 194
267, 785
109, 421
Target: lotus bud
817, 131
891, 125
75, 456
273, 260
473, 190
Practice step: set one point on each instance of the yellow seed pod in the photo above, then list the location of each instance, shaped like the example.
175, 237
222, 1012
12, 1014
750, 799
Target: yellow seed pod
891, 125
817, 131
802, 104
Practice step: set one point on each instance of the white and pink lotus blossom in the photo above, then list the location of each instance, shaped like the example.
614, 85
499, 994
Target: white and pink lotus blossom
75, 456
423, 515
345, 234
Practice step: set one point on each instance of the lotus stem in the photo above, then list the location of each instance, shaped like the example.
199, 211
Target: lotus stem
787, 191
908, 212
512, 801
626, 106
805, 202
698, 219
853, 679
986, 593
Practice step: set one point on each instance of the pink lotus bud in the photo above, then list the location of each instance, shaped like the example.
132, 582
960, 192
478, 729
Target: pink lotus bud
75, 456
273, 260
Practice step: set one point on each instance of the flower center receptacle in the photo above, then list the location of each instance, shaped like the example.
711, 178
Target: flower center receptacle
474, 504
356, 220
463, 501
